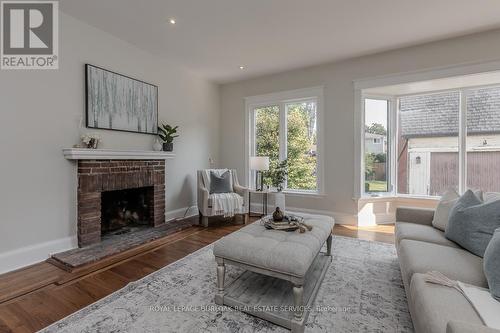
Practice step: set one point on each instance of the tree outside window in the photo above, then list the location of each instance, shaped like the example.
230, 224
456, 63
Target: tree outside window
301, 142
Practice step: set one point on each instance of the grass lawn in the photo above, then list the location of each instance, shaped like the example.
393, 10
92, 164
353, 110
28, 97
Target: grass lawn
377, 186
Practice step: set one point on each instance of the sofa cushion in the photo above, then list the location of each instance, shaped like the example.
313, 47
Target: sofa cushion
459, 326
443, 209
472, 222
457, 264
415, 215
492, 264
491, 196
424, 233
280, 251
433, 306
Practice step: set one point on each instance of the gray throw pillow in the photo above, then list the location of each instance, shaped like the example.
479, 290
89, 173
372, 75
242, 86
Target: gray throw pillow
446, 203
220, 184
491, 265
472, 222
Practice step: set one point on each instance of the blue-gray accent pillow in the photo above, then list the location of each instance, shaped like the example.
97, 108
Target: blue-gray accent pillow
472, 222
491, 265
220, 184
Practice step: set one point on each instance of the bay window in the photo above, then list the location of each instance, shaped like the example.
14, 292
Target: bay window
448, 139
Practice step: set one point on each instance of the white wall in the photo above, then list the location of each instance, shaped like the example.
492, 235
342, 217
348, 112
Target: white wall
41, 113
339, 107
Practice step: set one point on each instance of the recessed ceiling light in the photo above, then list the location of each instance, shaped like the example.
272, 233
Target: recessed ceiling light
172, 21
242, 67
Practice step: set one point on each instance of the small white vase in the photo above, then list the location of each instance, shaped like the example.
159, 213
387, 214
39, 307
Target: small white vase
279, 201
157, 146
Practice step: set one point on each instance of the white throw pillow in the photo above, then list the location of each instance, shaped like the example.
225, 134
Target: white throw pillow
446, 203
491, 196
443, 208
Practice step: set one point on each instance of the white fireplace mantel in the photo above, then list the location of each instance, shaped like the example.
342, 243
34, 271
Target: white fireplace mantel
112, 154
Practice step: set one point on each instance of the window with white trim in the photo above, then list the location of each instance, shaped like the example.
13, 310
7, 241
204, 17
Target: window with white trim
376, 161
285, 127
447, 139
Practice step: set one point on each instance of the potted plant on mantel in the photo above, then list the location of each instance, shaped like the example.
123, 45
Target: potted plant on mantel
167, 134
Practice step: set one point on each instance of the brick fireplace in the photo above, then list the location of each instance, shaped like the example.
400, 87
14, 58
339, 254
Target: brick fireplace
98, 176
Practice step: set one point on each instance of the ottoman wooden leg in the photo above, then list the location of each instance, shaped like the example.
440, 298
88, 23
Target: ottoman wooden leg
329, 246
221, 273
298, 301
297, 323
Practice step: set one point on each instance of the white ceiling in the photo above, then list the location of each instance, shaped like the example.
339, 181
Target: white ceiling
215, 37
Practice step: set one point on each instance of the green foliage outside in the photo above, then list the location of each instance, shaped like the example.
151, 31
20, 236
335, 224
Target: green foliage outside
301, 128
376, 128
375, 186
369, 160
267, 138
372, 184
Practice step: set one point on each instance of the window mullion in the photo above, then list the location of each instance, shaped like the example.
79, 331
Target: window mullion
462, 136
283, 134
392, 137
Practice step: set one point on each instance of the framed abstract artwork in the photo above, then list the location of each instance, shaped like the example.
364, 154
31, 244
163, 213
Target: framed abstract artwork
118, 102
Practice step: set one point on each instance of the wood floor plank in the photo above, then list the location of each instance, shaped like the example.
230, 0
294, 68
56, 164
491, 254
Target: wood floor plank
32, 277
39, 295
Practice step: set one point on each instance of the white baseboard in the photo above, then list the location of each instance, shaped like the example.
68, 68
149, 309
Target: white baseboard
181, 213
33, 254
36, 253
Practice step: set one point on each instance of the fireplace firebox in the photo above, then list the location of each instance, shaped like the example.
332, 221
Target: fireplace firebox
123, 211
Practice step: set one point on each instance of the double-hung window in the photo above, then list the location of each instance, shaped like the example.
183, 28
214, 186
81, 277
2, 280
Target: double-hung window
286, 126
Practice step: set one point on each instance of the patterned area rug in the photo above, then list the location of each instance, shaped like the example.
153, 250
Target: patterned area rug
362, 292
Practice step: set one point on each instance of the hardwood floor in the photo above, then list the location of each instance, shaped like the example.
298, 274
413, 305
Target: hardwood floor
36, 296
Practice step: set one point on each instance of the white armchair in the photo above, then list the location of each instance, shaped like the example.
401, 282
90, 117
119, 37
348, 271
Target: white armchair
205, 199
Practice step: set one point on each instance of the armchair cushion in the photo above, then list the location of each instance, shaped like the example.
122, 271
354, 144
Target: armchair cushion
220, 183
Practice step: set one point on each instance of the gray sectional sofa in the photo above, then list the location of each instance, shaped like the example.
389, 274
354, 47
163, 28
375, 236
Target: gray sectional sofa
422, 248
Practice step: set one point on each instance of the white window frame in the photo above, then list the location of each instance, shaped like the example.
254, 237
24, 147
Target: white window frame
391, 146
393, 131
281, 99
361, 84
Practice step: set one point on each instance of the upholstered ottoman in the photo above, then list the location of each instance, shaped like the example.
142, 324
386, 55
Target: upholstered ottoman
283, 270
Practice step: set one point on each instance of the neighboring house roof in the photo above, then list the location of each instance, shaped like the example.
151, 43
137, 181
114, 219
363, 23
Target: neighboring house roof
437, 114
374, 136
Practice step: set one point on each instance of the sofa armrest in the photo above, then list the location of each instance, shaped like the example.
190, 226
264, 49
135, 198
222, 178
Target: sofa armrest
415, 215
463, 327
243, 191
